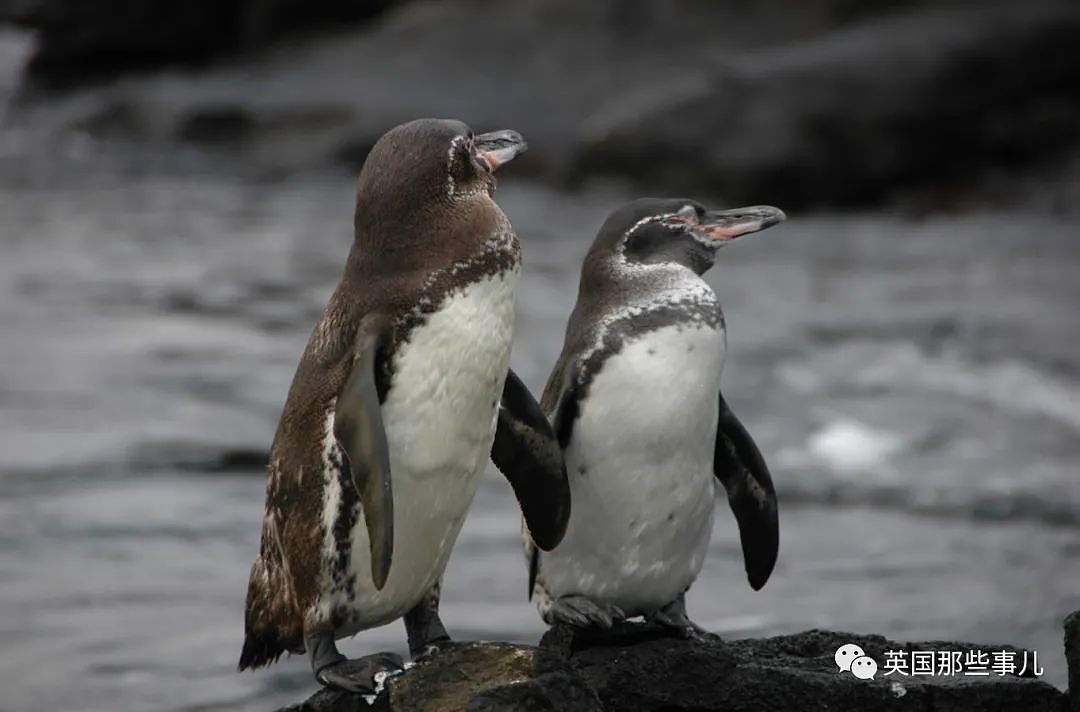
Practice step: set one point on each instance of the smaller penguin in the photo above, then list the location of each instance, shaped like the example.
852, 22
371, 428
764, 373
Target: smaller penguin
646, 434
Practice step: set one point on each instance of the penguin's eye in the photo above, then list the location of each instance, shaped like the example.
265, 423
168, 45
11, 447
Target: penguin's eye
689, 211
678, 222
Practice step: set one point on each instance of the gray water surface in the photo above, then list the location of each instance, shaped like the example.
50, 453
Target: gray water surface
914, 385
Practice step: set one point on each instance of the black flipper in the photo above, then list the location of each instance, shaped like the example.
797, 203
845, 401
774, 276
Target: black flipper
739, 466
526, 452
561, 399
533, 553
565, 412
359, 430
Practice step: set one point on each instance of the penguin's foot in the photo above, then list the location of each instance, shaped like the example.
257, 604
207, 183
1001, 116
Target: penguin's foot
425, 630
358, 675
334, 670
673, 617
582, 612
431, 648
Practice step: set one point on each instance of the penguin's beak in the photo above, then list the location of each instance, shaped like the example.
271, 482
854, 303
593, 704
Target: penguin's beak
498, 147
724, 225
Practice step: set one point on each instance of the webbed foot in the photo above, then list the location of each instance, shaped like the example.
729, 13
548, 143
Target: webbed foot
427, 635
673, 617
582, 612
332, 669
358, 675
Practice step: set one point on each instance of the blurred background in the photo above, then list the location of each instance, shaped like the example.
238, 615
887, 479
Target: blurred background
176, 188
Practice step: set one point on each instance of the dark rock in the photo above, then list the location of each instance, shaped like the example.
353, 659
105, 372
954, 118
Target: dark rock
201, 459
351, 152
554, 691
240, 460
632, 671
478, 677
95, 39
216, 124
232, 123
634, 667
18, 12
1072, 657
809, 104
925, 100
115, 119
91, 39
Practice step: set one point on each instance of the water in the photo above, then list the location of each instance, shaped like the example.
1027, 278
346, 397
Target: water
915, 386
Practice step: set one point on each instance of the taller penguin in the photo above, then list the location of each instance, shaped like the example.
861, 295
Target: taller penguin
400, 397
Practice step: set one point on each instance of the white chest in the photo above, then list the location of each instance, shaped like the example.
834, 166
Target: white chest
640, 467
448, 378
439, 416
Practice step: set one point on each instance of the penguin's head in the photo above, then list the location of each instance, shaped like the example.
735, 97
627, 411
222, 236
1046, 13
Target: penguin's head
652, 231
429, 162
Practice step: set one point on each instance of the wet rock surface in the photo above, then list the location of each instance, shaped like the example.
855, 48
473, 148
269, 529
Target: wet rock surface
97, 39
826, 103
79, 41
635, 668
931, 98
478, 677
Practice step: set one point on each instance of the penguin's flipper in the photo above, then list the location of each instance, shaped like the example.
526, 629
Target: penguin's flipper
358, 427
526, 452
532, 555
739, 466
561, 400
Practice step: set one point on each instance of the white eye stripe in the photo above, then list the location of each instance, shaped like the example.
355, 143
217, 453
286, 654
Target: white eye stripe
646, 220
451, 185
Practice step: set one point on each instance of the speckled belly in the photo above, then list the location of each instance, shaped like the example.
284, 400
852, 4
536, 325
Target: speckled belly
440, 416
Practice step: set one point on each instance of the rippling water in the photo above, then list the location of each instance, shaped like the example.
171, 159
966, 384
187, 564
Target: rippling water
915, 386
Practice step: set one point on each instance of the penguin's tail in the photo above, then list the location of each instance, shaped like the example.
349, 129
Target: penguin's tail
260, 648
265, 639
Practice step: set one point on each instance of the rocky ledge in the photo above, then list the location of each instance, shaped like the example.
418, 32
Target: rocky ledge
803, 103
83, 41
634, 668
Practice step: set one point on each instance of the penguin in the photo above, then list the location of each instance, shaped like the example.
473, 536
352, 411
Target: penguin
635, 403
403, 393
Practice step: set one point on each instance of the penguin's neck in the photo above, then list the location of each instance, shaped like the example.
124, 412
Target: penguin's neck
660, 284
